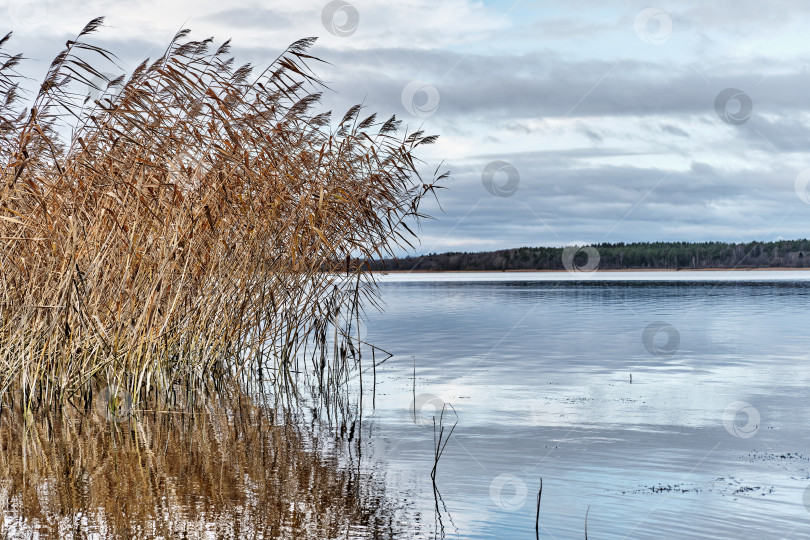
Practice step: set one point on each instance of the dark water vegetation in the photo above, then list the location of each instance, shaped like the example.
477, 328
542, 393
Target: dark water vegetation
179, 247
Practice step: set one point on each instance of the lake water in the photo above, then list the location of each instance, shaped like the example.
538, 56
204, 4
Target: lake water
709, 440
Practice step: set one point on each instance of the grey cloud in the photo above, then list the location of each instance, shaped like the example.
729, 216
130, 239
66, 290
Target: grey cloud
559, 204
778, 136
674, 130
594, 136
547, 85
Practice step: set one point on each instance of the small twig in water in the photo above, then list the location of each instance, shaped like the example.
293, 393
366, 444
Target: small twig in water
441, 443
537, 519
586, 521
414, 388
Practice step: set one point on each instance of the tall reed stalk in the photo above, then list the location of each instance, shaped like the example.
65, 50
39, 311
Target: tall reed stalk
194, 227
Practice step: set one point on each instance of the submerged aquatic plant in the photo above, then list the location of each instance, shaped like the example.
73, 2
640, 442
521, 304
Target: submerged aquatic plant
187, 227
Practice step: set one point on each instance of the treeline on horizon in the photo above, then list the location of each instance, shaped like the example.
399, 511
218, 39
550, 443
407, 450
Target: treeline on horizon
618, 256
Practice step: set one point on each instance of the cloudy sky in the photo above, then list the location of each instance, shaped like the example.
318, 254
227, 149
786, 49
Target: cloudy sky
578, 121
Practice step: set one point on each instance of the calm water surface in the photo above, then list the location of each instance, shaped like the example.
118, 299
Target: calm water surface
709, 440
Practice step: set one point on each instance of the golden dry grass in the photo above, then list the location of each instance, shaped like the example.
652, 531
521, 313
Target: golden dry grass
197, 227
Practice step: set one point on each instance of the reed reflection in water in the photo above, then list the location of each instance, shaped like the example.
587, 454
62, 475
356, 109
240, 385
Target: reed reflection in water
235, 472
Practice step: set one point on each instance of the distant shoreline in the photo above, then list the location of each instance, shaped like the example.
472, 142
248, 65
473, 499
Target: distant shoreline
782, 255
780, 269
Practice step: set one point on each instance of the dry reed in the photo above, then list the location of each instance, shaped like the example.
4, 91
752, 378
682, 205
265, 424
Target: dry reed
198, 226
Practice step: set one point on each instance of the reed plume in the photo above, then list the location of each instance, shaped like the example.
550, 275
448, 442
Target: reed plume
194, 226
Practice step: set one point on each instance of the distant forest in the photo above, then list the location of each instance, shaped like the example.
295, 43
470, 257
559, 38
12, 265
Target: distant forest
620, 256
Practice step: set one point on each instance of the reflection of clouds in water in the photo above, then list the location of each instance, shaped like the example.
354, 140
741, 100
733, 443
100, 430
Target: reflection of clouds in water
546, 372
